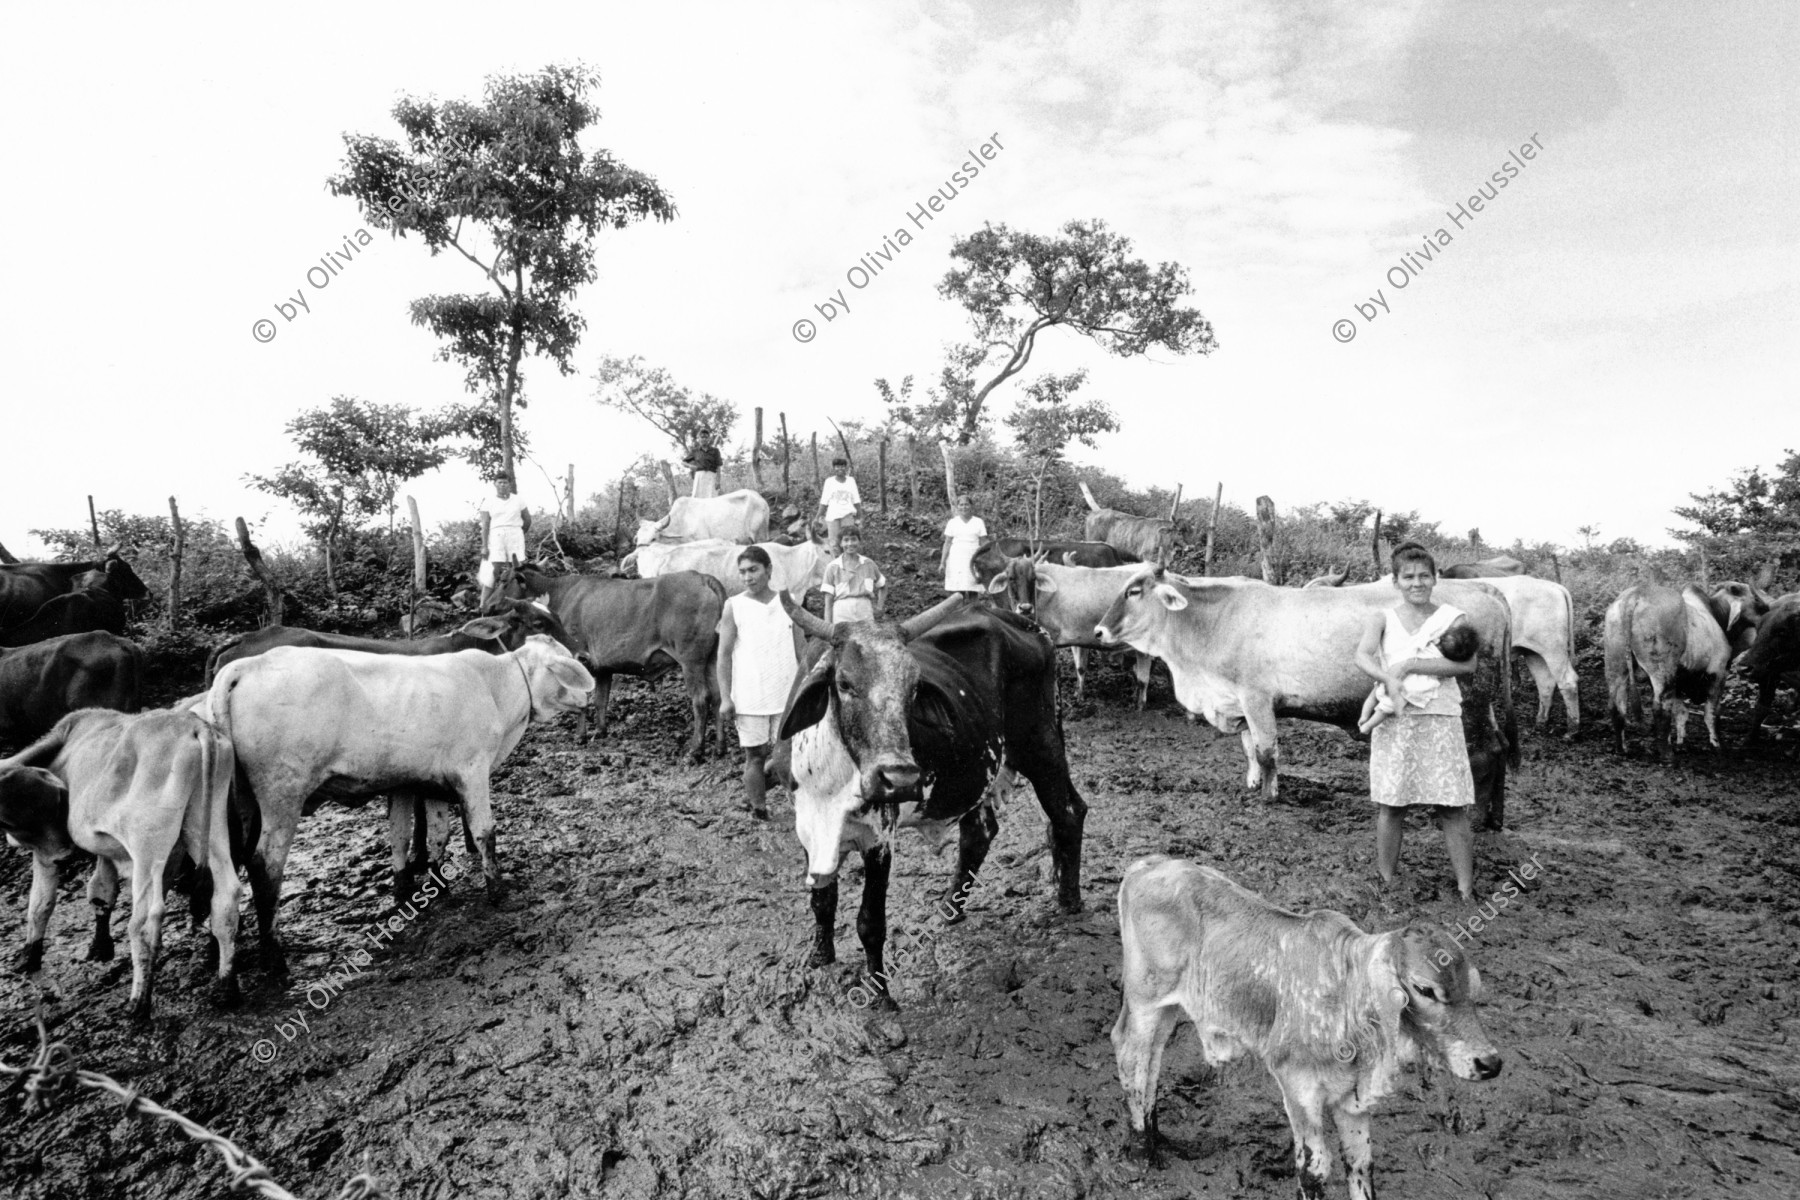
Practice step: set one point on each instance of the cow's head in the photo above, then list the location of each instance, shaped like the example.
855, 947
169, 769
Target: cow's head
557, 681
1441, 987
34, 810
121, 580
1739, 608
864, 689
649, 531
1021, 585
1776, 650
510, 622
1141, 610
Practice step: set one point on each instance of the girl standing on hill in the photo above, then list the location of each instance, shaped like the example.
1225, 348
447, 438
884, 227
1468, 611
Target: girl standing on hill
962, 538
1418, 757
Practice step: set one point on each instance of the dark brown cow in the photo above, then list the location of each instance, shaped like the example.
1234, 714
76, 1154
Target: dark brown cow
1147, 539
91, 605
641, 627
1774, 660
26, 587
990, 558
522, 620
43, 683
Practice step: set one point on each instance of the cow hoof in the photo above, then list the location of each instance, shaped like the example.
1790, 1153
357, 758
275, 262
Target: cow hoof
29, 960
496, 891
881, 1002
225, 993
1070, 902
100, 950
138, 1011
274, 960
822, 956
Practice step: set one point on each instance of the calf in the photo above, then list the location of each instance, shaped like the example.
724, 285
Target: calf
910, 725
991, 557
137, 790
42, 683
315, 725
1067, 603
1148, 539
1332, 1012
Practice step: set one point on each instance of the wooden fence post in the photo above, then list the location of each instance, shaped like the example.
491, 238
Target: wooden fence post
1175, 503
787, 458
1265, 534
912, 469
260, 569
93, 523
175, 550
818, 476
1212, 523
669, 478
949, 473
1375, 544
881, 472
619, 509
756, 450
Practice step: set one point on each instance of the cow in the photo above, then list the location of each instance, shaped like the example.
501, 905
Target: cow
517, 620
1684, 642
138, 790
1243, 653
42, 683
1333, 1013
1149, 539
909, 725
740, 516
90, 605
1488, 568
795, 570
641, 627
25, 587
991, 557
1774, 659
315, 725
1066, 603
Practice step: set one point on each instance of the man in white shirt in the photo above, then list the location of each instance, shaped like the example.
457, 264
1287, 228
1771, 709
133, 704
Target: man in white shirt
839, 501
504, 522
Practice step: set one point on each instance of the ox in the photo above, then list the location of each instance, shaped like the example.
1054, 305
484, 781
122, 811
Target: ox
641, 627
1149, 539
1243, 653
1333, 1012
1684, 643
1067, 602
514, 621
42, 683
315, 725
135, 790
90, 605
909, 725
1488, 568
795, 570
1774, 659
991, 557
740, 516
26, 587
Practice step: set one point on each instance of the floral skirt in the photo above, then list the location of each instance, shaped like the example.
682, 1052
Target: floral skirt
1420, 760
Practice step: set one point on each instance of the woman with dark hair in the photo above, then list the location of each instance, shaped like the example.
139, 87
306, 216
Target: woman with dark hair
1417, 758
759, 655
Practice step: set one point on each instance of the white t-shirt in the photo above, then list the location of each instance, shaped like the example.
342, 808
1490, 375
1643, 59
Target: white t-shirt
504, 514
839, 497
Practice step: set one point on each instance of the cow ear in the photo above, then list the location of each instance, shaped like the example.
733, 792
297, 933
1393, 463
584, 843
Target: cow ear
487, 628
931, 707
809, 704
998, 584
1172, 600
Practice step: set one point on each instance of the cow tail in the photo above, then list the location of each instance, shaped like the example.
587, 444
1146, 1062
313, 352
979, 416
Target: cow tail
212, 658
1621, 688
1509, 716
244, 814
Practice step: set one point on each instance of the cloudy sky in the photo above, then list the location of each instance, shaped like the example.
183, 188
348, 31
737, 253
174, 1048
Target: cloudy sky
1615, 329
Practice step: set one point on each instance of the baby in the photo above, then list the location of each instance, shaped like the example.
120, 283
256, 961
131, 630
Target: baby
1457, 643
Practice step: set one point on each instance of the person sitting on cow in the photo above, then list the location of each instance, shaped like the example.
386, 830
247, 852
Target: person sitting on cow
855, 589
1419, 759
759, 656
839, 502
1457, 643
504, 523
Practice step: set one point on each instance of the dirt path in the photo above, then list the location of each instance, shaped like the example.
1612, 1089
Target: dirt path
635, 1019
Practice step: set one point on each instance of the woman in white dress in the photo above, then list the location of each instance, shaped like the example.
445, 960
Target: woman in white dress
963, 535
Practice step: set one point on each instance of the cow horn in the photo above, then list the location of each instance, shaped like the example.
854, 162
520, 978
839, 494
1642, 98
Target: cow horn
810, 625
1765, 576
913, 626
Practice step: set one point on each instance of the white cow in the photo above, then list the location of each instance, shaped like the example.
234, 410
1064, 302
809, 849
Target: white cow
740, 516
1543, 632
797, 570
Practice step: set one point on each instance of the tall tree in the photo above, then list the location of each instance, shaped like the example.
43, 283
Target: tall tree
1048, 419
634, 386
1015, 285
1751, 522
506, 184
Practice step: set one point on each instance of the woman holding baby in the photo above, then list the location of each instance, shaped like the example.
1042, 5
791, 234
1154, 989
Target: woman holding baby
1417, 757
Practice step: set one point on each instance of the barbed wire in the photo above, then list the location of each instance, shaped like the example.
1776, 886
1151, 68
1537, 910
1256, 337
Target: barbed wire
53, 1067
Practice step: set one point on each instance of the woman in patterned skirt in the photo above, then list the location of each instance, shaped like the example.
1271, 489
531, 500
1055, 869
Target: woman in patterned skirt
1418, 757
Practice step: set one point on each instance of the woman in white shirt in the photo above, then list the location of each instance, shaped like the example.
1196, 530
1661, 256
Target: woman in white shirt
963, 534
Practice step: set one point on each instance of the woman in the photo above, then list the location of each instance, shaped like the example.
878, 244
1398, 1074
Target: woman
963, 534
1417, 757
759, 655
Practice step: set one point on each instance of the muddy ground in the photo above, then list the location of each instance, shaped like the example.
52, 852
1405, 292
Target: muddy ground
635, 1018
